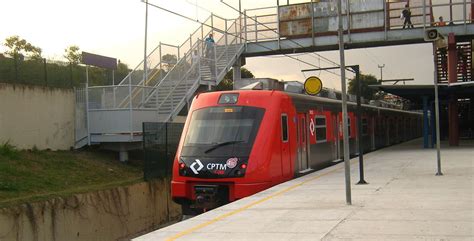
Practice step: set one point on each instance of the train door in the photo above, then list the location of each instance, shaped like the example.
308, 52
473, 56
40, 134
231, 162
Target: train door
285, 146
337, 143
302, 142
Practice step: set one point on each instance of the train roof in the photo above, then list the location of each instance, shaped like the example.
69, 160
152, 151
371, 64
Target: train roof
303, 98
327, 97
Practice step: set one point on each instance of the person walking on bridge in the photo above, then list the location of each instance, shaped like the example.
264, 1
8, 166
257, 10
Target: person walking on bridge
406, 13
210, 56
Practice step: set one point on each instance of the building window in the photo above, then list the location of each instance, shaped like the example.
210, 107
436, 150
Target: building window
320, 129
284, 128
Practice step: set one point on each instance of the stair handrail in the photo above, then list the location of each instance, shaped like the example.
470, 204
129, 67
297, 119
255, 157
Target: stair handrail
165, 78
158, 46
179, 82
179, 62
187, 73
136, 68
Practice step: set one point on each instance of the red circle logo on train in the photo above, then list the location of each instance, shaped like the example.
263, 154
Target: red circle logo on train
232, 162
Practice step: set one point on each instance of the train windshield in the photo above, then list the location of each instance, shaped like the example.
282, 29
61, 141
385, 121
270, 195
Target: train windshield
222, 131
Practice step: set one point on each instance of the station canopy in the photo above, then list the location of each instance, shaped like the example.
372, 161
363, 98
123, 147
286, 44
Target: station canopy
416, 93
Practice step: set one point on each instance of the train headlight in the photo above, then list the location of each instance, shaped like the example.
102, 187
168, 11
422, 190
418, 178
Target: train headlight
182, 165
228, 98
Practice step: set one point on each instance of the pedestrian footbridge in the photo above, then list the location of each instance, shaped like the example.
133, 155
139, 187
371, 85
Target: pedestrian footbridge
161, 87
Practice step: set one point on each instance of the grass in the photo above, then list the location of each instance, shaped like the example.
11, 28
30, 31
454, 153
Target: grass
37, 175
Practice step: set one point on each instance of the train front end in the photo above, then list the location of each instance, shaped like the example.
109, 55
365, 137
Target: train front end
216, 161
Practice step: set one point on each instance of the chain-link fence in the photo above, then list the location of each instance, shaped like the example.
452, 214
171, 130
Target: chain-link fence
160, 142
53, 73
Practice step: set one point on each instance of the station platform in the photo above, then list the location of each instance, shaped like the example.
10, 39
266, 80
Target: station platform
404, 200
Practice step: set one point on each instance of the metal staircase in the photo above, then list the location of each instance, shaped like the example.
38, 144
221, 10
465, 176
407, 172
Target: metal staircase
179, 85
160, 89
463, 67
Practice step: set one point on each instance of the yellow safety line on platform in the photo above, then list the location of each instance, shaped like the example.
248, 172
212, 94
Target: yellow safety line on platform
202, 225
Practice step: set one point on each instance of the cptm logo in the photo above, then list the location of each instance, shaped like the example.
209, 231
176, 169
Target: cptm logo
199, 167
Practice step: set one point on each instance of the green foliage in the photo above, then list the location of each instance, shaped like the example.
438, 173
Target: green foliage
72, 54
8, 151
56, 74
228, 81
17, 46
37, 174
366, 92
169, 61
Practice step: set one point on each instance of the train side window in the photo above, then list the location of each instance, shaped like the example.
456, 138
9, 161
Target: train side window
365, 127
284, 128
320, 129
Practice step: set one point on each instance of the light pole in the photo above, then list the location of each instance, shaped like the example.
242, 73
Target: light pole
381, 67
347, 165
145, 68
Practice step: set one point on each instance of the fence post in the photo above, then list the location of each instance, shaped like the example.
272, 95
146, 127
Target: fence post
115, 97
225, 36
45, 72
178, 47
256, 29
161, 67
215, 62
386, 16
245, 28
87, 107
348, 19
190, 43
464, 15
15, 61
130, 104
212, 22
202, 31
70, 74
312, 24
424, 15
156, 97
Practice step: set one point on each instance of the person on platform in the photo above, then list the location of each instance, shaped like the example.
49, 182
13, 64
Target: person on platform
406, 13
441, 22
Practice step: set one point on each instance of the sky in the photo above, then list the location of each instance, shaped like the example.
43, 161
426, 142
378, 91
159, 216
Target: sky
116, 28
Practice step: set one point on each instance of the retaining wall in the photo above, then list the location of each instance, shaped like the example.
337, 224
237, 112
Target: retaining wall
36, 116
115, 214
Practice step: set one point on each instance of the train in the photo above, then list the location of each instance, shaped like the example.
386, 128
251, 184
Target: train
237, 143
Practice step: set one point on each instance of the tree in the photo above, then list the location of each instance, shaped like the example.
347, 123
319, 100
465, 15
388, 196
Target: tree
228, 82
121, 72
18, 46
366, 92
169, 60
72, 54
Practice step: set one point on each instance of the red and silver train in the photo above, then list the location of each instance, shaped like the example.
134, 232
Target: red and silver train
237, 143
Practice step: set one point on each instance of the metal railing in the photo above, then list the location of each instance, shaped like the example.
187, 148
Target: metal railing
263, 24
173, 74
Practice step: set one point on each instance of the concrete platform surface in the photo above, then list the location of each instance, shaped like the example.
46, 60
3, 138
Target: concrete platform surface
404, 200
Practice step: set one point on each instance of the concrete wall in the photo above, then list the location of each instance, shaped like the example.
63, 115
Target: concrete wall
36, 116
115, 214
